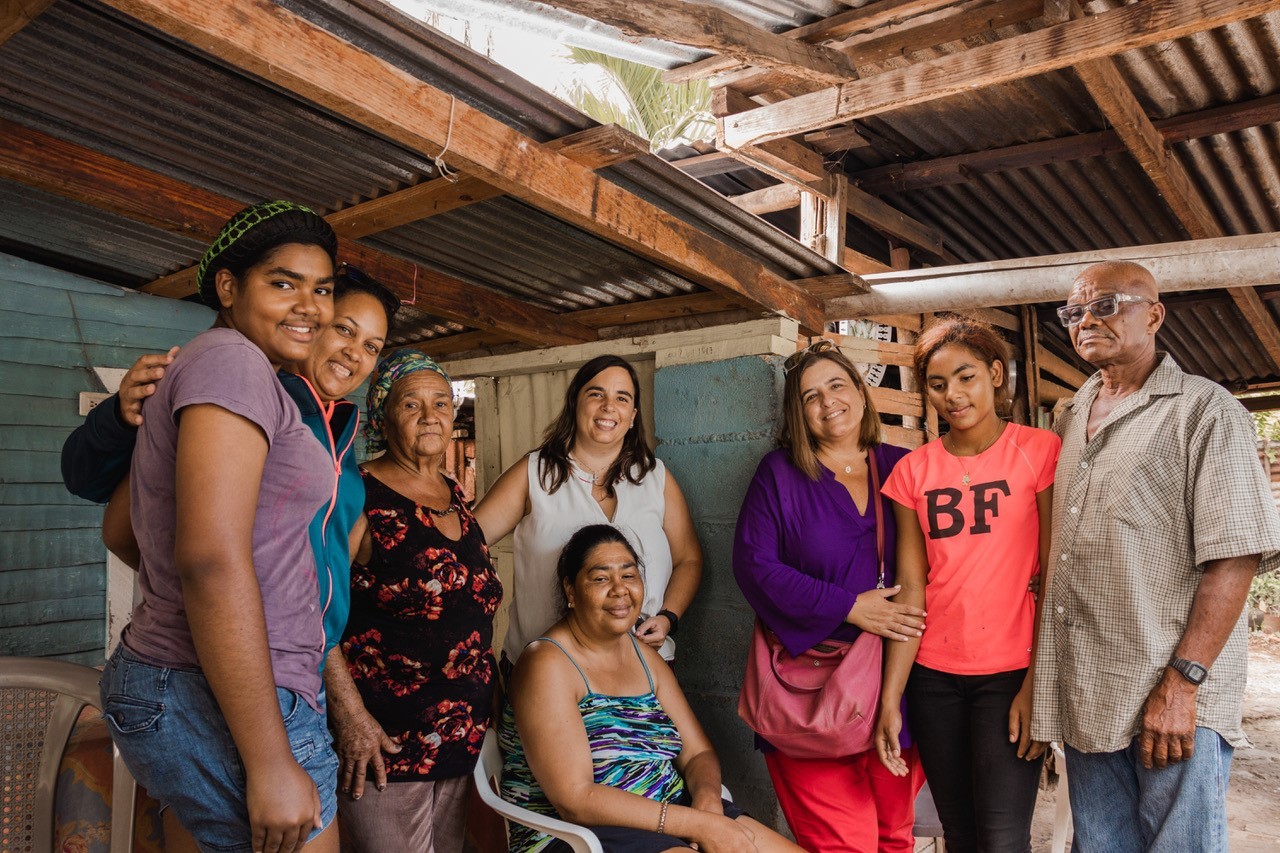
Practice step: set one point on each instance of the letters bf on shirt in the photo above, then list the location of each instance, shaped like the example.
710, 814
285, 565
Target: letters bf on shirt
946, 517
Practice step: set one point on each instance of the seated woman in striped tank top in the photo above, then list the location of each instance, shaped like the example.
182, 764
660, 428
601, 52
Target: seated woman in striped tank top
597, 731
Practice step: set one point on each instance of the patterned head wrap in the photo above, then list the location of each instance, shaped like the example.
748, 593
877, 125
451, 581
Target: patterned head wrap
257, 229
389, 371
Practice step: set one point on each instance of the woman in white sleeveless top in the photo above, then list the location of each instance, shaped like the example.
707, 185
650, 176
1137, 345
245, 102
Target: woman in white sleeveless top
594, 466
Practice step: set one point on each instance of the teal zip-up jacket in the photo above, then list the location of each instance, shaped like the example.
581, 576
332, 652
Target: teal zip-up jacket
95, 458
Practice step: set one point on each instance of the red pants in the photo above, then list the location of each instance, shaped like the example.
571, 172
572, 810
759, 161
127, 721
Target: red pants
848, 805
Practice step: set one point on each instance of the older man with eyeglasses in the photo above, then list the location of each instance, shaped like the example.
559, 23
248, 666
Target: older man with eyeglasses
1162, 516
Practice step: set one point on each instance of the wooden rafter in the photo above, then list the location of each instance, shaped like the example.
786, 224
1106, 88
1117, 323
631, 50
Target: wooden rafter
16, 14
38, 160
785, 159
393, 103
1115, 98
1049, 49
961, 168
896, 41
712, 28
769, 200
867, 18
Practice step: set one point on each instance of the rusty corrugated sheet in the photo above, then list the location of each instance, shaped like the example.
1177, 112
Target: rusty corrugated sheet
87, 74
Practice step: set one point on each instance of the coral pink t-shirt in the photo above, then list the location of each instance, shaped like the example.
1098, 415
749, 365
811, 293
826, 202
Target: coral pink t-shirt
982, 540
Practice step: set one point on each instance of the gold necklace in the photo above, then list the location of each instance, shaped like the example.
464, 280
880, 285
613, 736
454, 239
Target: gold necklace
966, 478
848, 469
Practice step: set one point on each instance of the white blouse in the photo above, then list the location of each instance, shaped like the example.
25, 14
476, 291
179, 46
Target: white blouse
554, 518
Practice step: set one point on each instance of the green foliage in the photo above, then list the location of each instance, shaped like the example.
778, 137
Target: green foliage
1268, 426
643, 103
1264, 592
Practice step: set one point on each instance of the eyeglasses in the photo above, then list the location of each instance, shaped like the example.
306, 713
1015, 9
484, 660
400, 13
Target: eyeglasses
1101, 308
820, 345
354, 273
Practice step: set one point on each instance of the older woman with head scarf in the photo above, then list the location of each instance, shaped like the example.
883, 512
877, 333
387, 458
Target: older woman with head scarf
419, 637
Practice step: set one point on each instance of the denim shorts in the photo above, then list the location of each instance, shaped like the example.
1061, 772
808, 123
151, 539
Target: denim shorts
167, 725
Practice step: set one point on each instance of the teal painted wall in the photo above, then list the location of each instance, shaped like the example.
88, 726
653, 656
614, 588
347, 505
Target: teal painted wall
714, 421
54, 329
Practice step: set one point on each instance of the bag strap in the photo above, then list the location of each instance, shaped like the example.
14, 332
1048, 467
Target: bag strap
876, 507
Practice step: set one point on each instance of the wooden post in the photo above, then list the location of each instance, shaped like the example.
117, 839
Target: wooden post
822, 218
1031, 364
900, 259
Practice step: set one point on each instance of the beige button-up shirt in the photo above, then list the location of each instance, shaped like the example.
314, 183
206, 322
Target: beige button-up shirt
1170, 481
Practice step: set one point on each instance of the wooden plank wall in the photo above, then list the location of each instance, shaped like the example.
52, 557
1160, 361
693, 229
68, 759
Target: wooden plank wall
54, 329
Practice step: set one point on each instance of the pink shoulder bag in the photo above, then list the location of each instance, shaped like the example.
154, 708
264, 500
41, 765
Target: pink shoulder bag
823, 702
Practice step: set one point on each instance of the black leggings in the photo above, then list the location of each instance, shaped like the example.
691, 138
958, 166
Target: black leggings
984, 792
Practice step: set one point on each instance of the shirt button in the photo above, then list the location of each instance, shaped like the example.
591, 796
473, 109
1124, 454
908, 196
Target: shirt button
1084, 464
1063, 558
1060, 610
1074, 510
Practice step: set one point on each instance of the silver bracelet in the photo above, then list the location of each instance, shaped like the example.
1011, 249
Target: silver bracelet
662, 819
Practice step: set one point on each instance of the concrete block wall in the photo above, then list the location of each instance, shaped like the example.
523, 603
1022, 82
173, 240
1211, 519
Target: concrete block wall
714, 421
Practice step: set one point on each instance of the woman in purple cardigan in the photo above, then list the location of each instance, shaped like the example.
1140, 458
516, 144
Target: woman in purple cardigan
805, 557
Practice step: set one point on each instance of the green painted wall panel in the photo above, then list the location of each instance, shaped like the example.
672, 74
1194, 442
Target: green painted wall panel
41, 412
82, 515
41, 584
81, 607
31, 467
55, 638
47, 494
54, 328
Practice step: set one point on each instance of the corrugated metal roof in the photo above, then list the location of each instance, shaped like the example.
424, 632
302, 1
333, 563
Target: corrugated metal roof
89, 75
1099, 202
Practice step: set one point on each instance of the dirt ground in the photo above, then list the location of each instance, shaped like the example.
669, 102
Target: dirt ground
1253, 800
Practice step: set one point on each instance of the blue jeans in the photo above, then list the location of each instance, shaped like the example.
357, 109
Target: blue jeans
167, 725
1118, 805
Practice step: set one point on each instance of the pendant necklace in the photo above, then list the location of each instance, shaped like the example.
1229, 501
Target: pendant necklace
848, 469
440, 513
966, 478
594, 479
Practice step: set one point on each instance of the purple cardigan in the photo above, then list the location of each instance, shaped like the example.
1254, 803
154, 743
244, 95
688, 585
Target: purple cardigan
802, 552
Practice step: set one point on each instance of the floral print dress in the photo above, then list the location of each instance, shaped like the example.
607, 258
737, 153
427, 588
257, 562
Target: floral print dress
419, 641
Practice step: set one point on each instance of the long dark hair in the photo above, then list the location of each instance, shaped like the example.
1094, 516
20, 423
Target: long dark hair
635, 460
573, 559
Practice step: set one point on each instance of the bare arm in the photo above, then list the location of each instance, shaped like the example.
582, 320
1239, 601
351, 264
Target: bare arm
686, 565
1168, 726
545, 692
913, 571
359, 738
220, 461
506, 502
1020, 710
117, 527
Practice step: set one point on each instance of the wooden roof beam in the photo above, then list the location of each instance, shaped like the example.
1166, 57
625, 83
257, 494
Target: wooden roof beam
71, 171
389, 101
595, 148
714, 29
867, 18
16, 14
784, 159
1248, 261
1016, 58
960, 168
1115, 98
896, 41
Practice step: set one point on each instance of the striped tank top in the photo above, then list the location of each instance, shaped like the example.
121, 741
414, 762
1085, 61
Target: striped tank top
633, 746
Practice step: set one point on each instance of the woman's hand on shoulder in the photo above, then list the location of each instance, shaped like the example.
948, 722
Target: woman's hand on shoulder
873, 611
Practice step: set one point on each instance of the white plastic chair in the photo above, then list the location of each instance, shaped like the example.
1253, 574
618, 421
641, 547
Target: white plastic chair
40, 702
1062, 810
488, 778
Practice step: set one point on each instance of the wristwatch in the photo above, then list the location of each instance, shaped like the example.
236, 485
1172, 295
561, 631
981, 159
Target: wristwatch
1189, 669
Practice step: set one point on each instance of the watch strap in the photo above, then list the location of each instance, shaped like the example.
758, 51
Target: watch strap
672, 618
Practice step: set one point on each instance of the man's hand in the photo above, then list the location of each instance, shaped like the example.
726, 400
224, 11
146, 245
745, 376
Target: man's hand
140, 383
1168, 728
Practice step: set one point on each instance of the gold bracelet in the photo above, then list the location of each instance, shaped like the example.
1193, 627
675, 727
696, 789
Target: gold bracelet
662, 819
